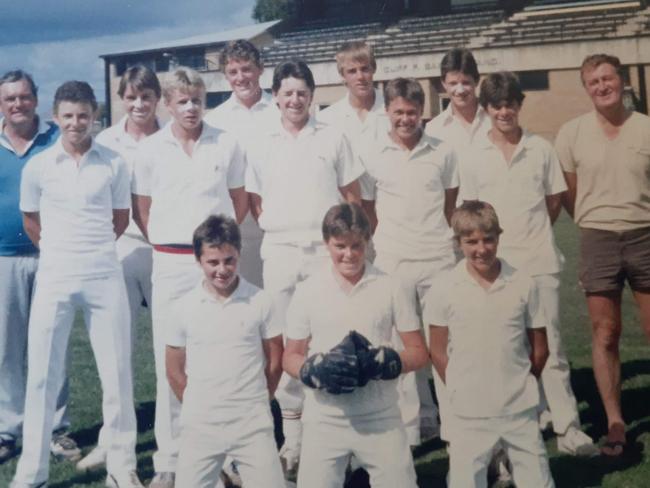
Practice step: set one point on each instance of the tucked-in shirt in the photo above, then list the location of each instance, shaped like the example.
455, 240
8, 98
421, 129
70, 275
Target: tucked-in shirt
185, 189
119, 140
360, 133
517, 191
298, 179
488, 374
409, 190
76, 203
14, 241
324, 313
224, 354
613, 191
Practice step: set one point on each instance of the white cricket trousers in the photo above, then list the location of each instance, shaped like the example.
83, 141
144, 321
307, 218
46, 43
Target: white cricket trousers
285, 266
173, 276
204, 448
104, 305
556, 375
380, 447
472, 445
415, 399
135, 257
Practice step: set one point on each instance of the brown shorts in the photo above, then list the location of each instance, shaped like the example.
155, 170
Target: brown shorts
608, 259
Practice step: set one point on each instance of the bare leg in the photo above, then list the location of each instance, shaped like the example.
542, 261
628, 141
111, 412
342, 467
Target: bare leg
643, 301
605, 313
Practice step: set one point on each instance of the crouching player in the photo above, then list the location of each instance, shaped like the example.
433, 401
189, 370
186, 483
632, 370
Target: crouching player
491, 316
223, 357
351, 399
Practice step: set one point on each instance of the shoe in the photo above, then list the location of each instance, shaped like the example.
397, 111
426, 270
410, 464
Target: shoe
7, 449
577, 443
95, 459
230, 476
545, 420
64, 448
18, 484
128, 479
290, 459
162, 480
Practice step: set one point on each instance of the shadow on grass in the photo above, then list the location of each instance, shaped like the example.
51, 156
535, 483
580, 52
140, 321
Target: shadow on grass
80, 479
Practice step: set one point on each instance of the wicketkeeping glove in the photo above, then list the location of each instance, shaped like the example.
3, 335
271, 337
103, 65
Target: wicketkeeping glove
336, 371
375, 363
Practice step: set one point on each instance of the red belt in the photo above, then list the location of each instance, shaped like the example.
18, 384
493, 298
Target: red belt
174, 248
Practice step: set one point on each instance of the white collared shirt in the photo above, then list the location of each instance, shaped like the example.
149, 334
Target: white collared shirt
185, 189
488, 374
119, 140
42, 128
446, 127
360, 133
247, 124
409, 190
322, 311
224, 353
298, 179
518, 191
76, 203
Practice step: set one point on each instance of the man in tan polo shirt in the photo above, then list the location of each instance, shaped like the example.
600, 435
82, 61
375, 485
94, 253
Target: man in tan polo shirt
605, 155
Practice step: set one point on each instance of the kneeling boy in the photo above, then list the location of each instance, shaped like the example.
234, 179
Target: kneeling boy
223, 358
351, 399
488, 343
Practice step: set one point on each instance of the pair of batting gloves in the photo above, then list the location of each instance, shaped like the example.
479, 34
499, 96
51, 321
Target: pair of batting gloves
351, 363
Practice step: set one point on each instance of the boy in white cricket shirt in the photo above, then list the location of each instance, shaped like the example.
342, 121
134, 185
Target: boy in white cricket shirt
185, 172
304, 168
488, 344
248, 114
520, 175
351, 403
223, 356
75, 203
409, 190
139, 91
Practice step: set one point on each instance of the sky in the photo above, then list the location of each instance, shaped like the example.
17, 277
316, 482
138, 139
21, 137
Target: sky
62, 40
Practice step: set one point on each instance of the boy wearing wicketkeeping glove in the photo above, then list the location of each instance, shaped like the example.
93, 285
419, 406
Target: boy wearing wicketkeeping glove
339, 327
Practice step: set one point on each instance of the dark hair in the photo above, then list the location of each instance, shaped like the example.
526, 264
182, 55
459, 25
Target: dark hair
500, 87
293, 69
76, 92
594, 60
241, 50
345, 218
459, 59
215, 231
406, 88
474, 215
140, 78
18, 75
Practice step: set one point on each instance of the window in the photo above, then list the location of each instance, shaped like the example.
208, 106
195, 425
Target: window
533, 80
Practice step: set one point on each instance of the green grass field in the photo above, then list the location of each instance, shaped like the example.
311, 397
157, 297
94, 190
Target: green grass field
632, 471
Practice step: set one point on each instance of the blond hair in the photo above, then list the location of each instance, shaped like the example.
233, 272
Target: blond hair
183, 79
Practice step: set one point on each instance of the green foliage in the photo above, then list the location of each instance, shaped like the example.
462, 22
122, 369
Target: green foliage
265, 10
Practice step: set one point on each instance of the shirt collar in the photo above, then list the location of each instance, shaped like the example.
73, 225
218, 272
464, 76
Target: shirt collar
208, 132
311, 127
370, 273
242, 293
460, 274
387, 142
265, 100
377, 107
527, 141
42, 128
60, 154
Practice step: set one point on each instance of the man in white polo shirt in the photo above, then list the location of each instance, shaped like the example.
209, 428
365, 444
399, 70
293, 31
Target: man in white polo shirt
519, 174
410, 189
302, 169
224, 361
464, 121
360, 114
75, 202
139, 91
248, 113
185, 172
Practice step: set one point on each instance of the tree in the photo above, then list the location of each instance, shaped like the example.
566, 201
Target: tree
265, 10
